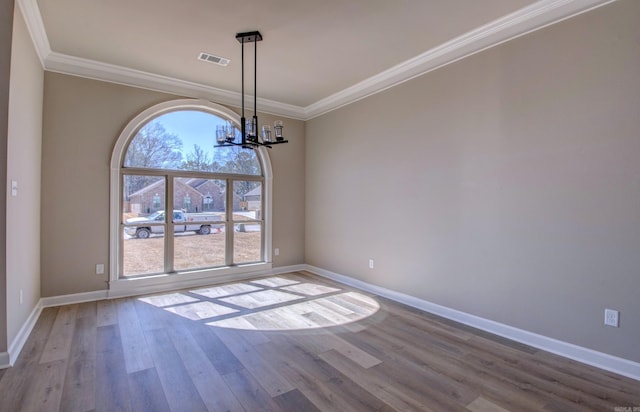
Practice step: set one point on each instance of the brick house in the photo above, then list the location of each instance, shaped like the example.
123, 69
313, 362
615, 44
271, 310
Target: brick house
191, 195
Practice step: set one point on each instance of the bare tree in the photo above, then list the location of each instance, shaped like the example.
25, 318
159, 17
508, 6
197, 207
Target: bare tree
198, 159
151, 148
154, 147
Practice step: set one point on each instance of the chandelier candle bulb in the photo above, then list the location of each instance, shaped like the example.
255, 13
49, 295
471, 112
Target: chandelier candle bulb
266, 133
249, 128
230, 131
221, 135
277, 128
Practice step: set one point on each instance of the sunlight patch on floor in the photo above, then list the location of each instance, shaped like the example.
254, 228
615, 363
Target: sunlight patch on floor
317, 313
275, 303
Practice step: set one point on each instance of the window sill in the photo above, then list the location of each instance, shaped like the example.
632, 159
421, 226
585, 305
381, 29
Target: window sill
181, 280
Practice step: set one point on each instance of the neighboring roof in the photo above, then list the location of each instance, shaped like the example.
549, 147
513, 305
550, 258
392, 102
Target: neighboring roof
192, 185
255, 192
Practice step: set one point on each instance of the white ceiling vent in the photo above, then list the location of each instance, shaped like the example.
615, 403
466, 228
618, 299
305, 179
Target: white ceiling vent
210, 58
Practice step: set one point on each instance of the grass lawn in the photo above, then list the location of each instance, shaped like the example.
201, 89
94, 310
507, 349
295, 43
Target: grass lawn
191, 251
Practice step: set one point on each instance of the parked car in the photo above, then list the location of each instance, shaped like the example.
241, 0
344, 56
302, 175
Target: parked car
200, 223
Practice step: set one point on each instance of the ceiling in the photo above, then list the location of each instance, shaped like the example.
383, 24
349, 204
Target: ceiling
316, 55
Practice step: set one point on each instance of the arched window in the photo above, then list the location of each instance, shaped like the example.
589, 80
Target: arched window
218, 198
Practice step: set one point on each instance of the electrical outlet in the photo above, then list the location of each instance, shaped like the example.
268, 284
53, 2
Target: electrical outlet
100, 269
370, 263
611, 317
276, 251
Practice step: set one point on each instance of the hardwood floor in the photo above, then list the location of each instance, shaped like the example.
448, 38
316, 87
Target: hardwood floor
289, 343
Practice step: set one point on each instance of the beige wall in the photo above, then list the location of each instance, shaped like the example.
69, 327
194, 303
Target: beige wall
23, 166
287, 163
82, 120
506, 185
6, 30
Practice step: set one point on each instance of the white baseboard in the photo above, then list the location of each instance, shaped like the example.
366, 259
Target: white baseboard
591, 357
288, 269
18, 342
73, 298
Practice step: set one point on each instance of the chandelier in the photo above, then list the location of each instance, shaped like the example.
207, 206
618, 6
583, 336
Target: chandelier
226, 135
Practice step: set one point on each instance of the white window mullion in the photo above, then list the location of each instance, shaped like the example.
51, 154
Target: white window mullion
230, 227
169, 232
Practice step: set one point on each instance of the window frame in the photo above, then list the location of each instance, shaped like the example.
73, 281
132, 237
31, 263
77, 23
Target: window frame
120, 285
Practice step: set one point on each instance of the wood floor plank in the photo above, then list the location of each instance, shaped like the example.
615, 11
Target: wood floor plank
146, 391
111, 388
436, 391
544, 389
78, 393
577, 384
322, 342
273, 383
481, 404
434, 323
453, 367
151, 317
136, 354
16, 380
250, 393
295, 401
374, 383
219, 355
59, 342
87, 309
176, 383
321, 383
45, 389
106, 312
549, 376
605, 380
212, 388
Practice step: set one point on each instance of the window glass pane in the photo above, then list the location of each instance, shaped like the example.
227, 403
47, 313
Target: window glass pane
143, 201
142, 256
142, 195
196, 195
249, 200
247, 242
238, 160
193, 250
184, 140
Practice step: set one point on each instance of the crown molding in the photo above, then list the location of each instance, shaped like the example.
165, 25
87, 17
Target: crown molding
35, 26
534, 17
92, 69
526, 20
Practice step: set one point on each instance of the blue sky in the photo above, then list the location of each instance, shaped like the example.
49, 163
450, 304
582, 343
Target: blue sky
192, 127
